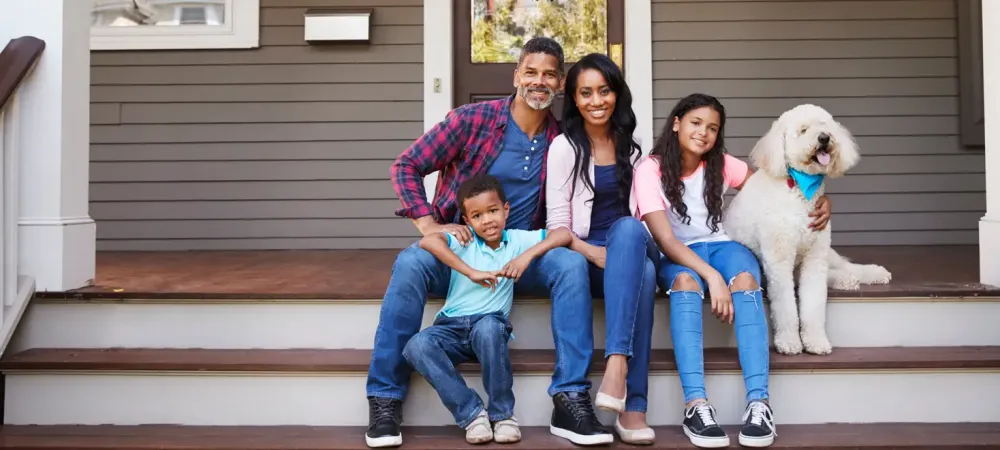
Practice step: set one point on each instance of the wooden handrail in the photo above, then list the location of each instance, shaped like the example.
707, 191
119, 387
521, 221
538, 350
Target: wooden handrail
16, 61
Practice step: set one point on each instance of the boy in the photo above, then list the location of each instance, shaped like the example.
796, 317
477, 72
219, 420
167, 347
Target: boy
474, 325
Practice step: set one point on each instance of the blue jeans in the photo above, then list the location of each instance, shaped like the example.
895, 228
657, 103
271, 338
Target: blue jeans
730, 259
560, 274
435, 351
628, 285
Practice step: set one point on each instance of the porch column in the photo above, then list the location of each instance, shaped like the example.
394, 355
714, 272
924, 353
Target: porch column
989, 226
57, 235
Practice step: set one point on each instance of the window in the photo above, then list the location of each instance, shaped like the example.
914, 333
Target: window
174, 24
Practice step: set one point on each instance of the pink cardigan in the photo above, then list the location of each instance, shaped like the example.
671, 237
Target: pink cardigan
562, 210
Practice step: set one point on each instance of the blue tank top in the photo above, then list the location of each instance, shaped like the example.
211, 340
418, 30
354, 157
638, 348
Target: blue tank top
608, 207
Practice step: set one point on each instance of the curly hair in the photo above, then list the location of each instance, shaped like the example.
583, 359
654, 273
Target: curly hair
668, 151
476, 185
622, 123
544, 45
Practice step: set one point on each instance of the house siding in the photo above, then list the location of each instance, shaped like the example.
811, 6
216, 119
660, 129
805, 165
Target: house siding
283, 147
888, 70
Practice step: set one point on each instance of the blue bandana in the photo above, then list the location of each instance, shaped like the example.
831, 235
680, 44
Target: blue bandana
806, 182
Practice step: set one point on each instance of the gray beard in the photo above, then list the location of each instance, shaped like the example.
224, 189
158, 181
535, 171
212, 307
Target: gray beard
535, 103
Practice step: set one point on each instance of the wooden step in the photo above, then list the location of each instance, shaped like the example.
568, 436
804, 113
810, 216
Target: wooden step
350, 360
826, 436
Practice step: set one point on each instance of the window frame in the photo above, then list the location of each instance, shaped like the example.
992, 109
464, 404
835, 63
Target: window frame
242, 31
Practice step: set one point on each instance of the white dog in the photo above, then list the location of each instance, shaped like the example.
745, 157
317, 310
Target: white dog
770, 216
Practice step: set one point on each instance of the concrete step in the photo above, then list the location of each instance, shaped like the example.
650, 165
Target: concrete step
346, 323
318, 387
812, 437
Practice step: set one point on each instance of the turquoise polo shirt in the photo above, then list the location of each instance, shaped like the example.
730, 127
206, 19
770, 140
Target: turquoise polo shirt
466, 298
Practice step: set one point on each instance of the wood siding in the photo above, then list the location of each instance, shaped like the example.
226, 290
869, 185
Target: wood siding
888, 70
283, 147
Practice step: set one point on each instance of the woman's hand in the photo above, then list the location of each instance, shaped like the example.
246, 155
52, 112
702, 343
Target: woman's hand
821, 215
722, 300
596, 255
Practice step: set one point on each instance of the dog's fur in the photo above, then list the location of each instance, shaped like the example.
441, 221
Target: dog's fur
772, 220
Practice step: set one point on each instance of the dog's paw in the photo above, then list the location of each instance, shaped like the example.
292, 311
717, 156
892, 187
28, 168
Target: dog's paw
875, 274
844, 283
816, 343
787, 343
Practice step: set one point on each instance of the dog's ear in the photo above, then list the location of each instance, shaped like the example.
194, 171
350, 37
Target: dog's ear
847, 151
769, 153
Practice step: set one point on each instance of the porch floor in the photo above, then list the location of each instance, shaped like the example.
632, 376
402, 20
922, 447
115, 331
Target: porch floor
924, 271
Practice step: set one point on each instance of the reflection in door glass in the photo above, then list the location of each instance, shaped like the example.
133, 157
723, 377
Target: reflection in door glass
501, 27
131, 13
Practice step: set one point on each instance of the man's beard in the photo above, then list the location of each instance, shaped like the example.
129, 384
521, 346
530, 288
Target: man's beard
525, 93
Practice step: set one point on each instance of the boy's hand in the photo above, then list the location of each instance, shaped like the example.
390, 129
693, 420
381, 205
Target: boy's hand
484, 279
516, 267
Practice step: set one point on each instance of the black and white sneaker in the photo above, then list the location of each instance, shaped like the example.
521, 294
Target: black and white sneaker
573, 418
384, 417
758, 426
701, 427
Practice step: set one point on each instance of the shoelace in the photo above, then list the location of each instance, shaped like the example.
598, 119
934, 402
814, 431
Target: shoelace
581, 408
757, 411
704, 412
384, 409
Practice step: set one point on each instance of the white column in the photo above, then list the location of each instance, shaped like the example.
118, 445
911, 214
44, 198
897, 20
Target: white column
989, 226
57, 235
438, 71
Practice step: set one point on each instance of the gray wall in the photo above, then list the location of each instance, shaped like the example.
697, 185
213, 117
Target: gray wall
285, 146
887, 69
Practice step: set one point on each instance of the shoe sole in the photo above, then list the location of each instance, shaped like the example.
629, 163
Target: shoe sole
763, 441
384, 441
580, 439
706, 442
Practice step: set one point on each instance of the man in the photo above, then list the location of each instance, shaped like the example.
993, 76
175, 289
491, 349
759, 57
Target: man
508, 139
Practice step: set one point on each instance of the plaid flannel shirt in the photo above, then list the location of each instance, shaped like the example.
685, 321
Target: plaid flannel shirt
461, 146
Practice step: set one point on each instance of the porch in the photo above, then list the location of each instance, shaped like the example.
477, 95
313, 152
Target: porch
917, 271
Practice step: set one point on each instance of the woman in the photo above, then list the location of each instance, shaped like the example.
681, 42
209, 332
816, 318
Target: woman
678, 192
589, 178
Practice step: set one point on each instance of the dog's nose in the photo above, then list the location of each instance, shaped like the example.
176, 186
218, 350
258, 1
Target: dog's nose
824, 139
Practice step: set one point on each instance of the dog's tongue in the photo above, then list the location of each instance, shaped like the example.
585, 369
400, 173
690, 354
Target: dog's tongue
823, 158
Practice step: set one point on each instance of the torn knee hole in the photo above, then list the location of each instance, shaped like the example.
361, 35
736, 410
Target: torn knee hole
743, 282
685, 282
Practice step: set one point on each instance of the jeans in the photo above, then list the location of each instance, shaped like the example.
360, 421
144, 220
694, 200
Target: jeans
436, 350
560, 274
730, 259
628, 285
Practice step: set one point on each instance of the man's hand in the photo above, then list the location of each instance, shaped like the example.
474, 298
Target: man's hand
484, 279
516, 267
821, 215
426, 225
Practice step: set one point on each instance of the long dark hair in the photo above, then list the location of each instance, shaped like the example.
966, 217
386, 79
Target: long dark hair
623, 123
668, 151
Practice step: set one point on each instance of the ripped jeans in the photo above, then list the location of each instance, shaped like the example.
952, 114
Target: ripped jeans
730, 259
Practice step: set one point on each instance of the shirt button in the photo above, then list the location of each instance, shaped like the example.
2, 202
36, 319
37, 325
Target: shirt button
532, 148
527, 157
525, 167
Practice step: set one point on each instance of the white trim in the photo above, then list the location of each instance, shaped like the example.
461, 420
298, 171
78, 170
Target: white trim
55, 221
241, 30
989, 226
438, 66
639, 67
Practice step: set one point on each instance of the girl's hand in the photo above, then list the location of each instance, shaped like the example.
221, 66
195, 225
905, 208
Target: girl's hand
821, 215
722, 300
597, 255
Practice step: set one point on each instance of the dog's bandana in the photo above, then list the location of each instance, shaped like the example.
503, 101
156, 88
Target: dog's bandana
807, 183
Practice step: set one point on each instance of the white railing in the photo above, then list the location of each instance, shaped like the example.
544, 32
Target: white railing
16, 289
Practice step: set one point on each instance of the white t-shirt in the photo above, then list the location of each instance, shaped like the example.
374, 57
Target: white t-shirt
648, 196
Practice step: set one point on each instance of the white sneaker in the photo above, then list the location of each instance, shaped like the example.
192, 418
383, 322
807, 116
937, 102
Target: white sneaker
479, 430
507, 431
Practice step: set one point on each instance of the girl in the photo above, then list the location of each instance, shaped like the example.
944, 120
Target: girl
678, 192
589, 179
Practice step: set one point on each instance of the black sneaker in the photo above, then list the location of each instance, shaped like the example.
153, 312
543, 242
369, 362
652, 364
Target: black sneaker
701, 427
758, 426
573, 418
384, 417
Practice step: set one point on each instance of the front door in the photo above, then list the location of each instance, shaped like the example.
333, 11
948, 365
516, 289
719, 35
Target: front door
489, 35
